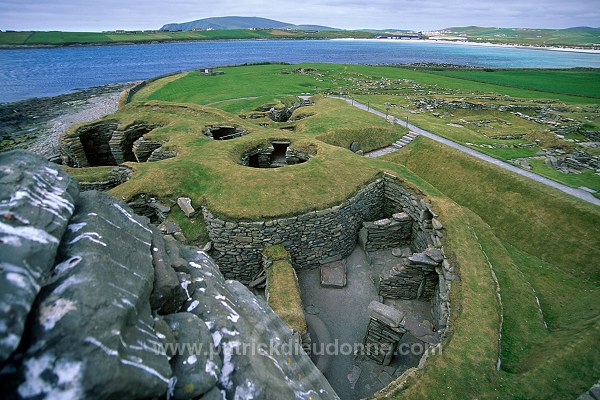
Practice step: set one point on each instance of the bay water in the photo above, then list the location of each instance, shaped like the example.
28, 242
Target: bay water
40, 72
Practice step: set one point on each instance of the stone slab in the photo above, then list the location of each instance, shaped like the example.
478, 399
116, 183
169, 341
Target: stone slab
333, 275
386, 314
422, 259
185, 203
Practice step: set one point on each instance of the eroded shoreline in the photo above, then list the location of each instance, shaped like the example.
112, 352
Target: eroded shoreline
35, 124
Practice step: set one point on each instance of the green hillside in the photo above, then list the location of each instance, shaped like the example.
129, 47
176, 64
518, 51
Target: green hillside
536, 37
57, 38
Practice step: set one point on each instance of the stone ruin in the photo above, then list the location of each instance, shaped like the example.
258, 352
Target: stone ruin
384, 215
104, 144
224, 132
278, 154
281, 113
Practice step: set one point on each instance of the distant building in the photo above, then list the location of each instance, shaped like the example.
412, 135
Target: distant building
402, 36
210, 72
120, 31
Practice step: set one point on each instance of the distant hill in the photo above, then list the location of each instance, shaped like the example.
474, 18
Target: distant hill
224, 23
582, 28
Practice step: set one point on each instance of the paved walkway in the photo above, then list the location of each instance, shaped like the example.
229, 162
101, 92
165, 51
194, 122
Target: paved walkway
580, 194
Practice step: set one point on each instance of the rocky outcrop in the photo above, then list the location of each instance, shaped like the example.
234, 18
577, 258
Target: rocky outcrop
36, 201
124, 312
91, 334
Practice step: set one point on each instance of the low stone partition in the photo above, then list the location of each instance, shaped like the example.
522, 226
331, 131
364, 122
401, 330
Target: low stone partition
114, 178
386, 233
283, 292
386, 328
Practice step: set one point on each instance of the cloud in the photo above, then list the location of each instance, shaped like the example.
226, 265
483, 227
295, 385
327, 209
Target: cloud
151, 14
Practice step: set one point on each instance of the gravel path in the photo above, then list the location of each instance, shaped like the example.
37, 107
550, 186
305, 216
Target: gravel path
580, 194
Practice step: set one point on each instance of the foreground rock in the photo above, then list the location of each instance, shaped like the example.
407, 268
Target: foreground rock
94, 330
36, 201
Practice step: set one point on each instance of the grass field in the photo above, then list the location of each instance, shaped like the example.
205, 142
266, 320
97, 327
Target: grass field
575, 83
542, 245
528, 235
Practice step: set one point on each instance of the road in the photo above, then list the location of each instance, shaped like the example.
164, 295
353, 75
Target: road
580, 194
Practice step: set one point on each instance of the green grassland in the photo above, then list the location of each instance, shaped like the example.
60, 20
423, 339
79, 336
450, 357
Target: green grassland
542, 245
539, 244
572, 82
59, 38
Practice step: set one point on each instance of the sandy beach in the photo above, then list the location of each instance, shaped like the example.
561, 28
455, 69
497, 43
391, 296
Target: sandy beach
484, 44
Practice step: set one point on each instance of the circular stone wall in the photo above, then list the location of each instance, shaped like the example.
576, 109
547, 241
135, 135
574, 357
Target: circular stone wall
278, 153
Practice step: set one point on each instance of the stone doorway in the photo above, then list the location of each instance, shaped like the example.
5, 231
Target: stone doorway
278, 156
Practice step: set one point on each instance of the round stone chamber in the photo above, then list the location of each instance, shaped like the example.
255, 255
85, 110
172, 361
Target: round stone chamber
279, 153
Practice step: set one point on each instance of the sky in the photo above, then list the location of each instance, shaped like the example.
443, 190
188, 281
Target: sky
100, 15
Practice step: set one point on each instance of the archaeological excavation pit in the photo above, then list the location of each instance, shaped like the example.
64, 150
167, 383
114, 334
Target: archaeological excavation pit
279, 153
391, 304
104, 144
224, 132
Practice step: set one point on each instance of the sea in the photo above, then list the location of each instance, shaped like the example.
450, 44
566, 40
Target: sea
42, 72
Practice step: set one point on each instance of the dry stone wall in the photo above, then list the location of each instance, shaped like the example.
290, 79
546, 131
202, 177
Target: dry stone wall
102, 143
387, 233
313, 239
320, 237
387, 214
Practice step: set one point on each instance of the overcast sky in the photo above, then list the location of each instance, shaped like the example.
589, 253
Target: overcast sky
99, 15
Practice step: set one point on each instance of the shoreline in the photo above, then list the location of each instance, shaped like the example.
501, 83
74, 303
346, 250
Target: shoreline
481, 44
35, 124
433, 41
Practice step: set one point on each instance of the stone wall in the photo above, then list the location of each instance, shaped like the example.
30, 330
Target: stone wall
114, 178
89, 146
313, 238
320, 237
324, 236
410, 280
102, 143
387, 233
263, 157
